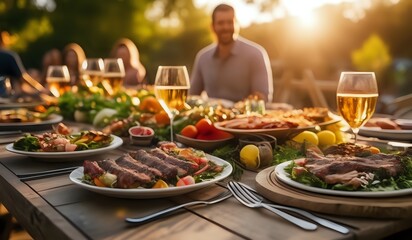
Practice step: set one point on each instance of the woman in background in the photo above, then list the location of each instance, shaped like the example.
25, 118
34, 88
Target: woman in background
135, 71
73, 57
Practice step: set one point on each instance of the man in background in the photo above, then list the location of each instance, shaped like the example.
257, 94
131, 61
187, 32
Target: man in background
233, 68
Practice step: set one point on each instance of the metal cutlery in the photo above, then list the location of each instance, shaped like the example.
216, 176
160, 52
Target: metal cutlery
44, 174
324, 222
249, 200
222, 196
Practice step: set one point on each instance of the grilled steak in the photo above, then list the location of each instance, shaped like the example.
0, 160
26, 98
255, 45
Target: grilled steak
92, 169
184, 167
127, 161
126, 178
169, 171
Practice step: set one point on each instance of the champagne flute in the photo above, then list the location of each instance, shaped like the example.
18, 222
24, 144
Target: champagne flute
113, 75
58, 79
171, 88
357, 95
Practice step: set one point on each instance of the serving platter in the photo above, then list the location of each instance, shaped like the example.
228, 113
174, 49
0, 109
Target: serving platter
284, 177
67, 156
143, 193
269, 185
32, 126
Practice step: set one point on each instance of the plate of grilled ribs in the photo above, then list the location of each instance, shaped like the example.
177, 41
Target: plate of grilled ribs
137, 174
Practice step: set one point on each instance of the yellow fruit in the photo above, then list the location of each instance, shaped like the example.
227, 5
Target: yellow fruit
160, 184
306, 136
249, 156
326, 138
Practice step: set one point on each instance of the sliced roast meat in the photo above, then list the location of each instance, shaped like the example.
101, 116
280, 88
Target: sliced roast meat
126, 178
354, 178
127, 161
169, 171
92, 169
185, 167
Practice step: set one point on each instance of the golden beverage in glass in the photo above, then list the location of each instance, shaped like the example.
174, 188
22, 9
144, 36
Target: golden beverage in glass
113, 75
58, 79
356, 109
356, 97
92, 73
172, 98
171, 88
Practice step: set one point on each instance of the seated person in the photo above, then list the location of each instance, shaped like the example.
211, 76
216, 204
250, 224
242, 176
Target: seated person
12, 67
233, 68
73, 57
135, 72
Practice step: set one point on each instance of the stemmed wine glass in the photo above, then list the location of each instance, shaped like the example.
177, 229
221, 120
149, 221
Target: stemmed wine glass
171, 88
58, 79
113, 75
357, 95
92, 73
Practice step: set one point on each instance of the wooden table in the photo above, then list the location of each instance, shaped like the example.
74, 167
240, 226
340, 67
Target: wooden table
55, 208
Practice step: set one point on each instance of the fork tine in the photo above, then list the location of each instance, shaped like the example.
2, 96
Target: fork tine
249, 193
236, 193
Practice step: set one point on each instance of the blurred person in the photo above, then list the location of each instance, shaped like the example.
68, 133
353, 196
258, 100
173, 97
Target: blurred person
233, 67
135, 72
50, 58
12, 67
73, 57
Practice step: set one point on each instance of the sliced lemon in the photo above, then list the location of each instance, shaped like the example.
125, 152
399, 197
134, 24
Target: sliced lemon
326, 138
306, 136
249, 156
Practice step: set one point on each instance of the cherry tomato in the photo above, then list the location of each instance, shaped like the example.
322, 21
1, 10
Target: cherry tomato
189, 131
204, 126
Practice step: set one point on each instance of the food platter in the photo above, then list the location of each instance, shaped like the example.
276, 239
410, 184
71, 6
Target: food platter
67, 156
405, 135
32, 126
283, 176
143, 193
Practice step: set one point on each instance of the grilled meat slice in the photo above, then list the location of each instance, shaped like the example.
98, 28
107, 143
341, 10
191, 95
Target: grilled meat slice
92, 169
169, 171
184, 167
127, 161
126, 178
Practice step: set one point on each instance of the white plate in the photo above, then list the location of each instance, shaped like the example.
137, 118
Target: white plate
405, 135
31, 126
283, 176
142, 193
66, 156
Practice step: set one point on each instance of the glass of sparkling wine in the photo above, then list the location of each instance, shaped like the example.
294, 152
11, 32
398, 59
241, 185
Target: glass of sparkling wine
58, 79
357, 95
113, 75
171, 88
92, 72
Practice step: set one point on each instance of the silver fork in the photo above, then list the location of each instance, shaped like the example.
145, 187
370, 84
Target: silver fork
222, 196
242, 196
324, 222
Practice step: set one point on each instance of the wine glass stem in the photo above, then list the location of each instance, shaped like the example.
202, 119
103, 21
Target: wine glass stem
171, 128
355, 133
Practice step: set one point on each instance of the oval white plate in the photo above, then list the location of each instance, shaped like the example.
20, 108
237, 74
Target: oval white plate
31, 126
117, 141
142, 193
405, 135
283, 176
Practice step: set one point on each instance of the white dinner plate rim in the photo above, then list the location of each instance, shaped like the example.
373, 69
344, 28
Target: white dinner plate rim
283, 176
53, 118
386, 133
116, 142
143, 193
